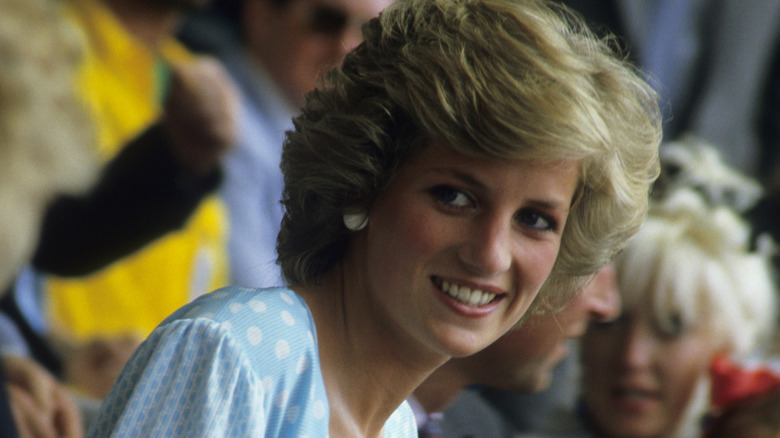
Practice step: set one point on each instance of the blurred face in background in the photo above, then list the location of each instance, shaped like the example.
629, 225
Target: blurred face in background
524, 358
639, 377
298, 40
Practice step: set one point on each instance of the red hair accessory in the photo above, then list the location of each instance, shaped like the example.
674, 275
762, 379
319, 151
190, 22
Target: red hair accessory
733, 384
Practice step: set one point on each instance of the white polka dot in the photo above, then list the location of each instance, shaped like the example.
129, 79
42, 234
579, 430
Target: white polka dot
235, 307
207, 315
227, 325
254, 335
219, 295
287, 298
258, 306
192, 311
287, 318
302, 365
292, 414
281, 398
282, 349
267, 382
318, 410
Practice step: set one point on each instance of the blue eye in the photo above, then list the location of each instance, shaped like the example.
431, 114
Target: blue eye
536, 220
452, 197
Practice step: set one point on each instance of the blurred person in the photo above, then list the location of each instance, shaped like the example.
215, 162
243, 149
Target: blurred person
717, 65
692, 291
712, 63
152, 222
432, 192
45, 150
520, 361
689, 163
276, 51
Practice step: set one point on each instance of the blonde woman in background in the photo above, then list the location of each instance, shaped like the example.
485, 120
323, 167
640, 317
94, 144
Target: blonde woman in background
692, 290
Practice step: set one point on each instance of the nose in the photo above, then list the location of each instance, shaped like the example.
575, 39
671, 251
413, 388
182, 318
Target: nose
637, 345
487, 251
603, 298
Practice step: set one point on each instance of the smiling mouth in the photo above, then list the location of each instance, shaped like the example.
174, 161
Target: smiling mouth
464, 294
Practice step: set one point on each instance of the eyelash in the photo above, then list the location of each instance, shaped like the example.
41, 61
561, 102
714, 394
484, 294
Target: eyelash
525, 217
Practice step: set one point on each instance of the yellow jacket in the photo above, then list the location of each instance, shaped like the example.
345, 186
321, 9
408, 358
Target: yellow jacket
123, 81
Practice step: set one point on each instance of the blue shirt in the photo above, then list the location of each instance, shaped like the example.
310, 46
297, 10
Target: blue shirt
234, 363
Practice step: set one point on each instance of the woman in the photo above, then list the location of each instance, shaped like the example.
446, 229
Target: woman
692, 291
463, 153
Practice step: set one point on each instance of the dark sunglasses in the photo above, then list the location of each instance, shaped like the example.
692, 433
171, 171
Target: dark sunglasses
328, 19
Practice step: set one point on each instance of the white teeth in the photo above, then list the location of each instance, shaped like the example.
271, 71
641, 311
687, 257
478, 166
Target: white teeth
463, 294
467, 296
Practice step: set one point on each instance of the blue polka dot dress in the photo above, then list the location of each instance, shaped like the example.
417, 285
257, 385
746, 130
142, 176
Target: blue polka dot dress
234, 363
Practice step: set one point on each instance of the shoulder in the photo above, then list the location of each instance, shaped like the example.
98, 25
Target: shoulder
471, 416
563, 423
261, 321
254, 347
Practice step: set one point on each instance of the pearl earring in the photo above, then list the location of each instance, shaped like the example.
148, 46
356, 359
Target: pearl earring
355, 221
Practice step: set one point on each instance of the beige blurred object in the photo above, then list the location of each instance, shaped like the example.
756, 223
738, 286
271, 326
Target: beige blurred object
41, 406
45, 133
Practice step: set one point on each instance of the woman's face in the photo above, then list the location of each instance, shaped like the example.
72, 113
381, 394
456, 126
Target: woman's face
457, 247
639, 378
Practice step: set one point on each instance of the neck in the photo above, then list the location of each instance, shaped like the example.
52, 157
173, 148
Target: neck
150, 21
441, 388
369, 369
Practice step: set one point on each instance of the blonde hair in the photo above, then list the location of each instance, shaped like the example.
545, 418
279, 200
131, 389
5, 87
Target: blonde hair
501, 79
46, 136
695, 261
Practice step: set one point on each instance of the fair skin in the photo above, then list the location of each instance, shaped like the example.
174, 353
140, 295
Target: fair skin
638, 378
384, 322
523, 359
41, 407
281, 39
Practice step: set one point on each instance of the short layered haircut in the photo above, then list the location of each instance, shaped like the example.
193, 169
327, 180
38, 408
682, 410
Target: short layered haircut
496, 79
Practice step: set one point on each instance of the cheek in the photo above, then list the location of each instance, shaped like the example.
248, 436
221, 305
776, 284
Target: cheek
537, 258
418, 232
686, 363
401, 241
595, 349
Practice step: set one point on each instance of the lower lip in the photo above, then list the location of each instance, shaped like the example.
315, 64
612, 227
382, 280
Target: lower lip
468, 311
